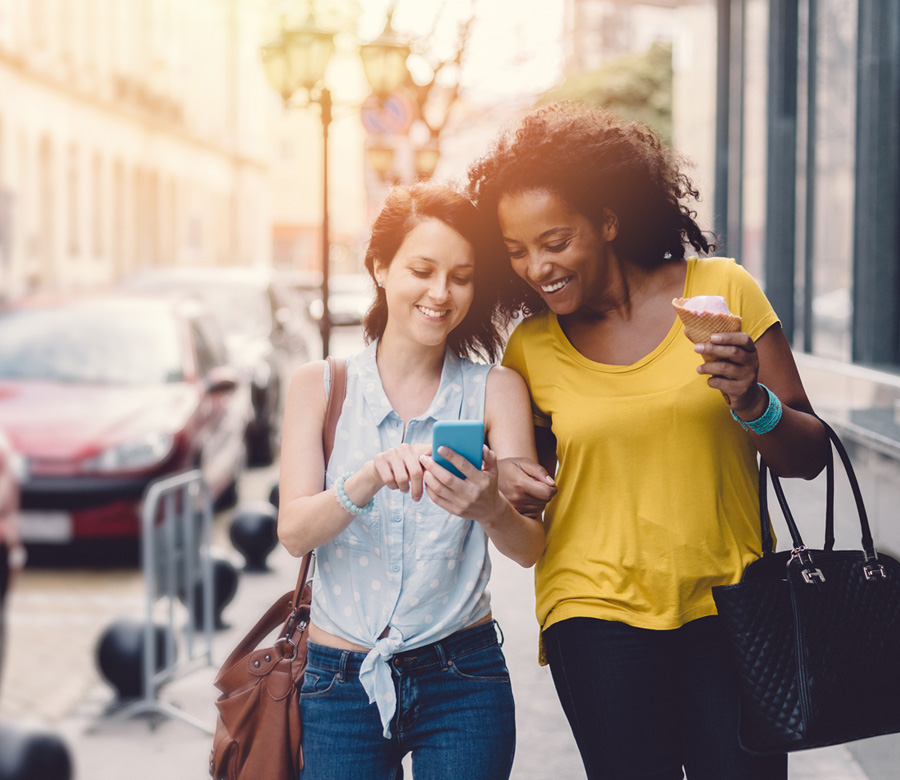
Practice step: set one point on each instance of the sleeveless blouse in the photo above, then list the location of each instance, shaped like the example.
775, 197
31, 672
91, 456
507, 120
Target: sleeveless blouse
408, 566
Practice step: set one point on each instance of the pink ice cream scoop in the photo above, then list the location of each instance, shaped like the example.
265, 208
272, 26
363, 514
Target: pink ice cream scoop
704, 315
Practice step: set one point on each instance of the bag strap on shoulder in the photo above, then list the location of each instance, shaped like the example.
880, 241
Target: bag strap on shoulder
338, 370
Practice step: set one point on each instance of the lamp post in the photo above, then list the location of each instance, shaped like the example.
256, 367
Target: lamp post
297, 60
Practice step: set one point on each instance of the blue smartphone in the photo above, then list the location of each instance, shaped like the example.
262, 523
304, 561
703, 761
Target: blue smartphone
463, 436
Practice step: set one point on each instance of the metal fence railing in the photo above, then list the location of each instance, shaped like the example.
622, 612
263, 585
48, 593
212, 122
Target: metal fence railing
176, 538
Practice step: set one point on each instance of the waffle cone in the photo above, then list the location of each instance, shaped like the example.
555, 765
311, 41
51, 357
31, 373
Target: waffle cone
699, 327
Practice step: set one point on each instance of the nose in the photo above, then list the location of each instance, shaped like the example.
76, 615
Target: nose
535, 266
440, 288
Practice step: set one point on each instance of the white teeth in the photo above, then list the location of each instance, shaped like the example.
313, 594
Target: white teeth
431, 312
549, 288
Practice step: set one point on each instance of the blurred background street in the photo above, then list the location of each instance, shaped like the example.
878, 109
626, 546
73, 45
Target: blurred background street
185, 193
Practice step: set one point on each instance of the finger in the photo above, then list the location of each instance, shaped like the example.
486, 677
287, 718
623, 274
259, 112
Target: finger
536, 471
385, 472
736, 338
466, 468
436, 471
416, 480
488, 460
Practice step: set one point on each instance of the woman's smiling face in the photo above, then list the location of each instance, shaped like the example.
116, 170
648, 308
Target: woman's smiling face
554, 249
429, 284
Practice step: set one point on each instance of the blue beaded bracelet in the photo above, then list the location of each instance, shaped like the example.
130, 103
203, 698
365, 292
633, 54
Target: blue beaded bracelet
343, 499
767, 420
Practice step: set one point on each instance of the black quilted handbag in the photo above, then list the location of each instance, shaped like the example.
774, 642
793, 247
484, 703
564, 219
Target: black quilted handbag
815, 635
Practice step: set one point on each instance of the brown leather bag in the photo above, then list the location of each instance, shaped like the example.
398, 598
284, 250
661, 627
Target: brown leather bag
259, 733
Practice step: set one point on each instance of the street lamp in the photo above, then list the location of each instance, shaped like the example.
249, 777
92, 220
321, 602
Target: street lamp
298, 60
384, 61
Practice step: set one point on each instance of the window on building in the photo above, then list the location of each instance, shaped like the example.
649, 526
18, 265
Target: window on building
832, 210
73, 200
97, 205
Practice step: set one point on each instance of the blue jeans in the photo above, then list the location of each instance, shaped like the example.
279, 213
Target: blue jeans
455, 713
645, 704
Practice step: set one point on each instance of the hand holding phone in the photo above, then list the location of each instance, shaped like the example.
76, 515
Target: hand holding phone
465, 437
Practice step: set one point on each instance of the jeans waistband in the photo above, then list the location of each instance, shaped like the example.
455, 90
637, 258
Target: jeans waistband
463, 642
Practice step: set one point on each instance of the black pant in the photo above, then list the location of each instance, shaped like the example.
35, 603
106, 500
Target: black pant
645, 704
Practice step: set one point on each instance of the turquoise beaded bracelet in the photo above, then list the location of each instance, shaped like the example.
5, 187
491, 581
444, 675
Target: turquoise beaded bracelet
344, 500
767, 420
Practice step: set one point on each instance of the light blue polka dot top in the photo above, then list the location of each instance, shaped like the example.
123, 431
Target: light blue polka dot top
409, 566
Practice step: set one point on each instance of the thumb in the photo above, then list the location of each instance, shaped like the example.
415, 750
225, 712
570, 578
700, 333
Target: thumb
489, 459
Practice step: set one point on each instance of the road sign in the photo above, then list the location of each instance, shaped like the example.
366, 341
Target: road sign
392, 116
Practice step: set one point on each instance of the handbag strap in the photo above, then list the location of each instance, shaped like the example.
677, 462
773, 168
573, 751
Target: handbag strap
338, 370
868, 543
274, 617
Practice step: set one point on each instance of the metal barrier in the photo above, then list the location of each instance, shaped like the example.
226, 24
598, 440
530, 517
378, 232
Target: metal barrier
175, 556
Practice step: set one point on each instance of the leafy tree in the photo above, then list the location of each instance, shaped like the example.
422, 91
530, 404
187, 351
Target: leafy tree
637, 87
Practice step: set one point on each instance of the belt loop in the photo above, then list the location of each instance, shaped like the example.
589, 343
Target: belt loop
498, 630
439, 649
342, 671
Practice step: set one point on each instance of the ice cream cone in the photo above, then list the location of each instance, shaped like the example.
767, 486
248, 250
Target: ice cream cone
698, 327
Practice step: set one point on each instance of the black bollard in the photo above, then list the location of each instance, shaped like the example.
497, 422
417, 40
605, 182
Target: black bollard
254, 534
225, 582
120, 656
29, 753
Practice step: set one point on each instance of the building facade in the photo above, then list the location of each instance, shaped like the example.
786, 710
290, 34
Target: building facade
133, 133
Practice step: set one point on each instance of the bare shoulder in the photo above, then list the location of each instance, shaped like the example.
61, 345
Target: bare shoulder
310, 376
506, 395
503, 380
307, 388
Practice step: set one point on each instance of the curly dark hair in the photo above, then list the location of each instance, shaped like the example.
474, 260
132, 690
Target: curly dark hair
478, 334
592, 161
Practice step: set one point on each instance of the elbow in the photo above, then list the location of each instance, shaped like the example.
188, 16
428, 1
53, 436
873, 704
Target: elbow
289, 540
531, 556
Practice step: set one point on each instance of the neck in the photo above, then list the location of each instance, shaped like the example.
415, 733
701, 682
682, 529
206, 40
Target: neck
410, 375
409, 360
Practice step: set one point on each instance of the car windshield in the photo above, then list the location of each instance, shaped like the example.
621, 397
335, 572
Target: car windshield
91, 344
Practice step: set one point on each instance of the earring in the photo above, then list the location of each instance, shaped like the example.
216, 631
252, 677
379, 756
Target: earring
379, 284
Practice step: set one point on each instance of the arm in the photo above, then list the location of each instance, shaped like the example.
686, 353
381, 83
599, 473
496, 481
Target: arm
528, 485
309, 516
797, 446
478, 497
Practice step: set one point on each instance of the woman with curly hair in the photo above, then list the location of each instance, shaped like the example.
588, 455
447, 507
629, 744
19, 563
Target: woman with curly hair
404, 656
654, 450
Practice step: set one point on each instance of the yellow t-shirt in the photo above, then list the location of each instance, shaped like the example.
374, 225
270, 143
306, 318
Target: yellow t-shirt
657, 498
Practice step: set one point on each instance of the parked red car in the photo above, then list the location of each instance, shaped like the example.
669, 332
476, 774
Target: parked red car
103, 395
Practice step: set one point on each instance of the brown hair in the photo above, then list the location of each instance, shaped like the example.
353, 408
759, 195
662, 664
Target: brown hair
592, 161
406, 207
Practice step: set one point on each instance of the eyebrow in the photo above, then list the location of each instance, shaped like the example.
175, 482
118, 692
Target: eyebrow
545, 234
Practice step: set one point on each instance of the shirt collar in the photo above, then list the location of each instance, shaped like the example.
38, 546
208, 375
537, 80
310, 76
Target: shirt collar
447, 402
